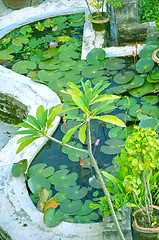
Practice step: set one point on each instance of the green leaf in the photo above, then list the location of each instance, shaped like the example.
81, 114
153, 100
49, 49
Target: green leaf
55, 112
82, 133
104, 97
36, 183
26, 143
19, 167
111, 119
39, 113
78, 101
114, 180
33, 121
69, 134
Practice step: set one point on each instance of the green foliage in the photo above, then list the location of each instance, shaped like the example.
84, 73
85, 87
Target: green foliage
115, 3
19, 168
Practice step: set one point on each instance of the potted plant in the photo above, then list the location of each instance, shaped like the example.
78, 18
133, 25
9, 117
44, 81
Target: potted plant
138, 166
99, 18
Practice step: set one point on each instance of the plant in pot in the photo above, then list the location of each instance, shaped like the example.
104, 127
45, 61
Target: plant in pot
138, 167
82, 99
99, 18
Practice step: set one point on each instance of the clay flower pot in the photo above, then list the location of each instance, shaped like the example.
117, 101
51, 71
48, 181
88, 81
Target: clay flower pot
155, 57
146, 233
99, 24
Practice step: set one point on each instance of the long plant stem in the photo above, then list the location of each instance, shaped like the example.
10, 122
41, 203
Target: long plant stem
88, 6
102, 181
115, 26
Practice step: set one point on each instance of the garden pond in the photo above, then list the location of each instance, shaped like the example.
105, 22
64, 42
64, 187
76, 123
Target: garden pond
49, 51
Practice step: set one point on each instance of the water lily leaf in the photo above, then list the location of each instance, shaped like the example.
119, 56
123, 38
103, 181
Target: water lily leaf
65, 66
52, 218
149, 122
147, 51
154, 112
19, 167
150, 99
95, 55
70, 206
6, 54
141, 91
94, 182
64, 185
155, 75
151, 80
144, 65
110, 150
92, 72
122, 79
25, 29
103, 79
134, 110
76, 193
34, 197
117, 132
51, 52
80, 65
71, 76
50, 203
68, 55
50, 64
74, 155
36, 183
23, 66
58, 176
33, 43
145, 109
87, 219
115, 64
46, 75
40, 169
85, 209
19, 41
59, 197
125, 103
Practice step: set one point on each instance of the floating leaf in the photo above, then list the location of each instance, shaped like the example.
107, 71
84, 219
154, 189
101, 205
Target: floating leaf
59, 197
40, 170
23, 66
141, 91
64, 185
122, 79
85, 209
58, 176
115, 64
150, 99
50, 64
74, 155
95, 55
19, 168
117, 132
134, 110
36, 183
147, 51
144, 65
51, 203
6, 54
110, 150
92, 72
87, 219
76, 193
70, 207
68, 55
19, 41
149, 122
52, 218
94, 182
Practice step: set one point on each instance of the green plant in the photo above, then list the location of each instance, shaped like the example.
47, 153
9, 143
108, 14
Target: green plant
138, 167
39, 126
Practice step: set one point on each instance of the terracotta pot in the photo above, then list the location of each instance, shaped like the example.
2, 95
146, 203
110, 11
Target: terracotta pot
17, 4
146, 233
154, 56
99, 24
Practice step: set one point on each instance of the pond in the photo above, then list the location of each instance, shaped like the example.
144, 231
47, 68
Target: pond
136, 83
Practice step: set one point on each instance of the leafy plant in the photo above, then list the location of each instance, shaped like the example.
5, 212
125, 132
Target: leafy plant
38, 127
138, 167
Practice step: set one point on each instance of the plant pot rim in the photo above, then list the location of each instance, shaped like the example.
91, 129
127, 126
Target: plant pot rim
143, 229
92, 20
154, 56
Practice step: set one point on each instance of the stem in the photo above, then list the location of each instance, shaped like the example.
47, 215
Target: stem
88, 6
67, 145
115, 26
102, 181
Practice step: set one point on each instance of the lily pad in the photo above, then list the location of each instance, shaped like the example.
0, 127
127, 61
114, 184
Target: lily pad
50, 64
76, 193
23, 66
68, 55
64, 185
85, 209
19, 41
125, 103
147, 51
36, 183
115, 64
95, 56
58, 176
117, 132
87, 219
80, 65
59, 197
46, 75
103, 79
94, 182
122, 79
134, 110
110, 150
150, 99
145, 109
52, 218
144, 65
70, 206
146, 88
150, 122
74, 155
154, 112
92, 72
6, 54
40, 170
